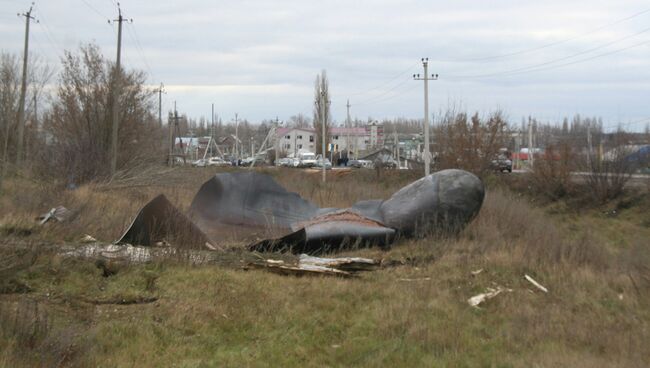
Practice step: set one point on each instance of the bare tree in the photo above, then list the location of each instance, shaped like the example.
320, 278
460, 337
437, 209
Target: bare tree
10, 79
9, 92
79, 122
321, 110
469, 144
609, 173
299, 121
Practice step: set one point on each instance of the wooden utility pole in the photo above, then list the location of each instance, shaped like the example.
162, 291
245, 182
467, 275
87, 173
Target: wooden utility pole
237, 138
426, 152
116, 93
277, 140
349, 127
23, 91
324, 134
531, 150
160, 90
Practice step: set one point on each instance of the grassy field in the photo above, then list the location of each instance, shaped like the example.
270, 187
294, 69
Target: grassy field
412, 312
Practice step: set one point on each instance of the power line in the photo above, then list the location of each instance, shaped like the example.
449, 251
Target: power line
587, 59
398, 90
134, 37
94, 9
541, 47
379, 96
407, 71
536, 66
53, 43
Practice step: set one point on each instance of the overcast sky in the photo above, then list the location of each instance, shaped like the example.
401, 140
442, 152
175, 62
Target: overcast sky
260, 58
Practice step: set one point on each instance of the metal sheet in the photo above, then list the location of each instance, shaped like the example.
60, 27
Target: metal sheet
160, 221
247, 205
253, 206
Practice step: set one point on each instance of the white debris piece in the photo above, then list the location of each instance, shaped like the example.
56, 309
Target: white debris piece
87, 239
420, 279
474, 273
344, 263
60, 214
536, 284
480, 298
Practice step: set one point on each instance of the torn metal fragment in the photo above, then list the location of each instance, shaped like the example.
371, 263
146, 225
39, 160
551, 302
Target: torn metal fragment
160, 221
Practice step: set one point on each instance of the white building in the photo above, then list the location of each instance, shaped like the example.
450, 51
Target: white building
356, 140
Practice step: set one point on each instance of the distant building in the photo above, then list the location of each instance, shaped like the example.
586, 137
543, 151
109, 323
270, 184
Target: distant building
228, 144
356, 140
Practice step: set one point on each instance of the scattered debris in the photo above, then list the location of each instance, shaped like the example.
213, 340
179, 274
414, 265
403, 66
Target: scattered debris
352, 264
274, 261
282, 269
216, 248
87, 239
491, 293
112, 252
420, 279
308, 265
477, 272
60, 214
536, 284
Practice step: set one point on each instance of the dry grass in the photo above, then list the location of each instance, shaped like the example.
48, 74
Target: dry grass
413, 312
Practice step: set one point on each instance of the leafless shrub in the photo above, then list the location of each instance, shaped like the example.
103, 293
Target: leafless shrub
610, 172
469, 144
10, 79
551, 175
79, 124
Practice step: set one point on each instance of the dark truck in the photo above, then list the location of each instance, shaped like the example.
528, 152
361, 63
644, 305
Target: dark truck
502, 163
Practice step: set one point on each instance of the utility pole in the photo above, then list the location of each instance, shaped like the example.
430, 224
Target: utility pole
426, 153
589, 146
116, 91
23, 89
516, 153
211, 133
237, 139
324, 134
349, 127
531, 154
160, 90
277, 139
171, 117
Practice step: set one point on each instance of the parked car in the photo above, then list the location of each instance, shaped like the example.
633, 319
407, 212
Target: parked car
200, 163
360, 164
285, 162
217, 161
319, 163
306, 159
249, 160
